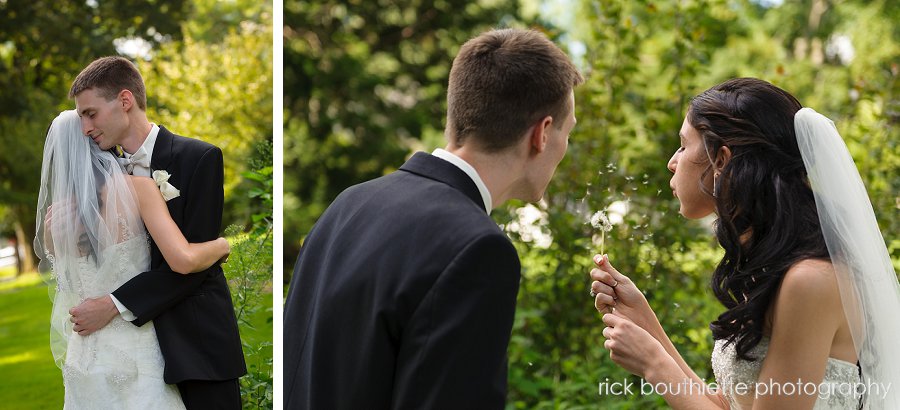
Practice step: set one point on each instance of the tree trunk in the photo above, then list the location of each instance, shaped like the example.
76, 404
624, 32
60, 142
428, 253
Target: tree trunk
24, 253
16, 254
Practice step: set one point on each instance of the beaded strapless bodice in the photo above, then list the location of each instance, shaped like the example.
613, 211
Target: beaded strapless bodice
738, 379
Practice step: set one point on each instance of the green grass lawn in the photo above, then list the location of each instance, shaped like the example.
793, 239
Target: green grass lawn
28, 377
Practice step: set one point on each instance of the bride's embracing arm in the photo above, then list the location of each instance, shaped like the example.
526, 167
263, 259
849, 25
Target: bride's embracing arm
182, 257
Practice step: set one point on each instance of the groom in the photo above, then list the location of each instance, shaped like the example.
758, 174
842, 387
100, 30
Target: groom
193, 314
404, 292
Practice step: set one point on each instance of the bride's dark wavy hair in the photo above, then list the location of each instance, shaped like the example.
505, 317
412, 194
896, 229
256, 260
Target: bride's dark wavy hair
767, 213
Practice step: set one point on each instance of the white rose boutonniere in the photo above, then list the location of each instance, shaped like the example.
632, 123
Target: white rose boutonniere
165, 188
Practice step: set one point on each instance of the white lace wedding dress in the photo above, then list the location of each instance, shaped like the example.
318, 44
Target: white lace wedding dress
119, 366
737, 379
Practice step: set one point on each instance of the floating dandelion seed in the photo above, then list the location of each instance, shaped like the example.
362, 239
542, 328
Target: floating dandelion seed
600, 221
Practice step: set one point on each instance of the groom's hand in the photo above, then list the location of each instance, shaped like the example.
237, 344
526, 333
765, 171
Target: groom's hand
92, 315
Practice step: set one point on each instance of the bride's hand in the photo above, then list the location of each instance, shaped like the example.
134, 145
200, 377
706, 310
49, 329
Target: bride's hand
616, 292
227, 246
631, 347
59, 211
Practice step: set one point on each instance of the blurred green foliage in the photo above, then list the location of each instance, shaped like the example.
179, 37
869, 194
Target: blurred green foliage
365, 87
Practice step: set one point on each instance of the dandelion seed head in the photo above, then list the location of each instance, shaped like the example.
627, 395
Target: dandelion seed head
600, 221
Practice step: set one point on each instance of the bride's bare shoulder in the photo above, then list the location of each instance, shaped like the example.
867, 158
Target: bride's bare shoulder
811, 280
141, 183
812, 270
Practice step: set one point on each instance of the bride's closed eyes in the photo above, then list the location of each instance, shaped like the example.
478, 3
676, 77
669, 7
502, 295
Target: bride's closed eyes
681, 143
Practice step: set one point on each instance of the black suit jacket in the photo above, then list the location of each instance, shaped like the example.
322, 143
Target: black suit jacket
403, 297
193, 314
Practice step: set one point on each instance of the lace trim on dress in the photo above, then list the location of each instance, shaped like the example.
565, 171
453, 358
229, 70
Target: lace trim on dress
738, 378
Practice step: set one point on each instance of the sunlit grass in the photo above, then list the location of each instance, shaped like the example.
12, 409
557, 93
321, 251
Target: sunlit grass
9, 281
30, 379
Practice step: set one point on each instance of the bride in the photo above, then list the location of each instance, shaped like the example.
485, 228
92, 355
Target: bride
809, 292
91, 236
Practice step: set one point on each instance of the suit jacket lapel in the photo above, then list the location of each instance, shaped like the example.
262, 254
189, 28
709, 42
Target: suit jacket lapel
432, 167
162, 151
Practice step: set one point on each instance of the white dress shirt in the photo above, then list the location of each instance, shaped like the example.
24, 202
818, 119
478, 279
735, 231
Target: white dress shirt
147, 147
471, 172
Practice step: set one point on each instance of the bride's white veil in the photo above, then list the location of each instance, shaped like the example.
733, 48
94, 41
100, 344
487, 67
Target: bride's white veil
869, 290
86, 205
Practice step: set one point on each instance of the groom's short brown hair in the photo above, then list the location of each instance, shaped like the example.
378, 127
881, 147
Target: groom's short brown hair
109, 76
502, 83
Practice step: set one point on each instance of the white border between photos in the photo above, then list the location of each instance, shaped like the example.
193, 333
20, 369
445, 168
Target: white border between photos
278, 198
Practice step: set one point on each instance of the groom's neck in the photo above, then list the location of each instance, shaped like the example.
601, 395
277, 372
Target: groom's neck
498, 171
139, 128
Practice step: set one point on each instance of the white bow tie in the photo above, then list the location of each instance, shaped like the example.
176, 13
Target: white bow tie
140, 160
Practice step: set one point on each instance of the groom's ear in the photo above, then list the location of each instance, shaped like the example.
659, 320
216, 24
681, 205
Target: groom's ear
126, 98
538, 134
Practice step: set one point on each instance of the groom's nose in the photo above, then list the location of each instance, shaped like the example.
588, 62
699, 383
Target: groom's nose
87, 126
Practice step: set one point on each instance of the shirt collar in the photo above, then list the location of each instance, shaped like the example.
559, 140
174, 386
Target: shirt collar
470, 171
149, 142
